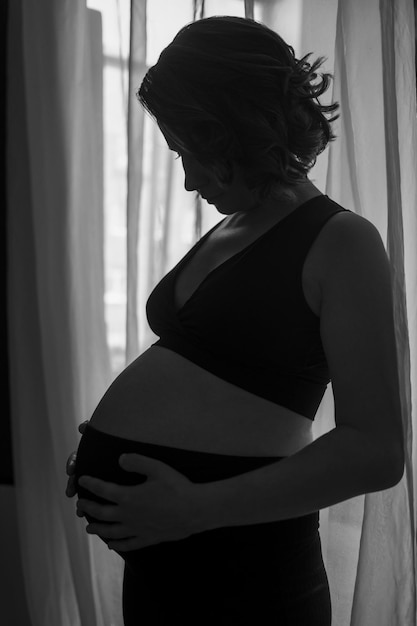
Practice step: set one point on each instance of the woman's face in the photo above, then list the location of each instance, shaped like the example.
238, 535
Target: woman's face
227, 198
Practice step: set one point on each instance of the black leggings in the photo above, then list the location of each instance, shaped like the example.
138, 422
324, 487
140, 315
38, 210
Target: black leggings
258, 575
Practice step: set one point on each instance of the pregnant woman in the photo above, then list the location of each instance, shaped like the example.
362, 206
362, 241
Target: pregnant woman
215, 507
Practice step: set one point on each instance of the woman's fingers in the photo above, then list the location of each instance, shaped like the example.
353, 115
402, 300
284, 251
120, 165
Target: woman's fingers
71, 489
71, 461
81, 427
71, 484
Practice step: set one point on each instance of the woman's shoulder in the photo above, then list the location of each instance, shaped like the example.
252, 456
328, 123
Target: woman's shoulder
348, 241
348, 248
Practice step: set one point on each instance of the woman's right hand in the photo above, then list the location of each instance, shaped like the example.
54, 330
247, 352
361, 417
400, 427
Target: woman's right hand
71, 489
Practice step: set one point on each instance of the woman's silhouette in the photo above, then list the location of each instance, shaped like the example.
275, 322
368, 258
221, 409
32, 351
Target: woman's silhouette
217, 518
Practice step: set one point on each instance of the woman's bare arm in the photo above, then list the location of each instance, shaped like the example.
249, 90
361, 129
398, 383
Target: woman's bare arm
364, 453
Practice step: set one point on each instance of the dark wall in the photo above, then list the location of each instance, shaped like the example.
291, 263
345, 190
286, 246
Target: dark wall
6, 466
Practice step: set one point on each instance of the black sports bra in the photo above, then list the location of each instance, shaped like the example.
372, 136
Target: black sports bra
248, 322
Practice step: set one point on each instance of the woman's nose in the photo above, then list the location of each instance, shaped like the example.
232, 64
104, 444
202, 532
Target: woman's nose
194, 176
192, 184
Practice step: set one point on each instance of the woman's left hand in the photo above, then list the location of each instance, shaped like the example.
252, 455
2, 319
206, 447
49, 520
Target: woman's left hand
166, 507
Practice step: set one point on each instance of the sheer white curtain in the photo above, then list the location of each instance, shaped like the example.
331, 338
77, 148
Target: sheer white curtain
59, 356
58, 352
372, 171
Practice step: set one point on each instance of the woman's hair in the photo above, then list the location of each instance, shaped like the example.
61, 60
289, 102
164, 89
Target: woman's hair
229, 89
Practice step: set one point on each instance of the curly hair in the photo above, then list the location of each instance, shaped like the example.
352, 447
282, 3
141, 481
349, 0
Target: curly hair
230, 89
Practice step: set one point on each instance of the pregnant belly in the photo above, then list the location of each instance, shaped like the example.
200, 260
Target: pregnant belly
164, 399
98, 455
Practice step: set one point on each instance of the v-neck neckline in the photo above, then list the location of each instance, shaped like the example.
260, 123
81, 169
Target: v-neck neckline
191, 253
